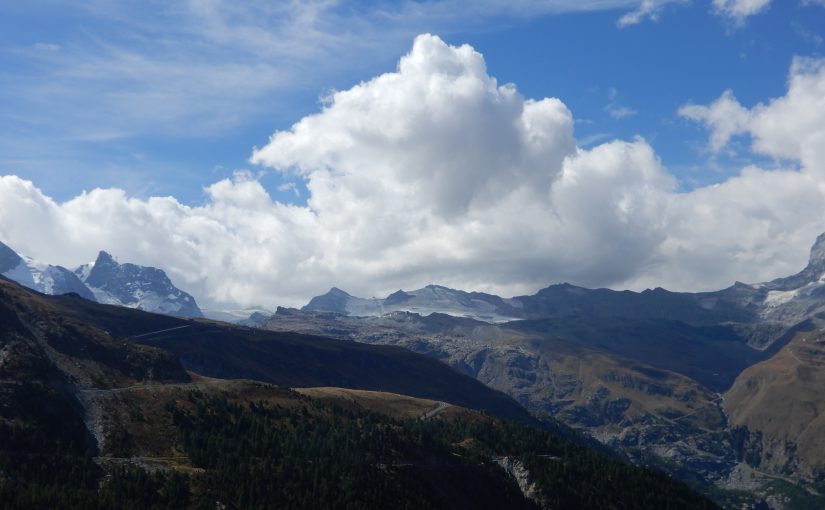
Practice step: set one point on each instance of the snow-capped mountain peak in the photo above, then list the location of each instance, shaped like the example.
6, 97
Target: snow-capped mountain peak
143, 287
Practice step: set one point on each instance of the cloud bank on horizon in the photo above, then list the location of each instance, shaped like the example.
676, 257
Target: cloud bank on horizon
436, 173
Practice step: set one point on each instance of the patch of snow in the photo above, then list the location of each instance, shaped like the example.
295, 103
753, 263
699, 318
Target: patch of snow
101, 296
152, 302
37, 275
141, 300
780, 297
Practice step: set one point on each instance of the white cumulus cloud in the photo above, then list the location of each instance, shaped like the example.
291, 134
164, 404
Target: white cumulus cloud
436, 173
725, 117
790, 127
648, 9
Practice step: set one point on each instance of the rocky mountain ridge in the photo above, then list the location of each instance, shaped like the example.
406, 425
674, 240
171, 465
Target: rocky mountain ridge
427, 300
783, 301
554, 302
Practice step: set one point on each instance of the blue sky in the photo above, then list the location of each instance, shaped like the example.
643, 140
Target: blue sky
685, 148
68, 72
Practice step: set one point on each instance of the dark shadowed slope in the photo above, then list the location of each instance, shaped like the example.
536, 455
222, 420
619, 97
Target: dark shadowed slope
291, 359
286, 359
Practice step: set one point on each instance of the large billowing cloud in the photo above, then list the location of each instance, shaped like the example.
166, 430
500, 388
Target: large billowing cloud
437, 173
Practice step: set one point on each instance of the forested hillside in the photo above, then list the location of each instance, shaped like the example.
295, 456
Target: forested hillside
256, 446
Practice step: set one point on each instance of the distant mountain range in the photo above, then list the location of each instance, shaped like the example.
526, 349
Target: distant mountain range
104, 280
784, 301
723, 386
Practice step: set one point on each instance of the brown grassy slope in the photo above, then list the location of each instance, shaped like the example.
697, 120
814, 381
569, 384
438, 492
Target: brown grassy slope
781, 402
637, 392
711, 355
390, 404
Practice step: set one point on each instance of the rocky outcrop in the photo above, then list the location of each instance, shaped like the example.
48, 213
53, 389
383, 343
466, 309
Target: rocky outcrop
516, 469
